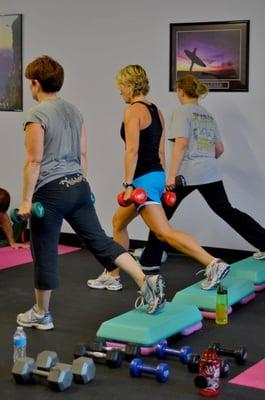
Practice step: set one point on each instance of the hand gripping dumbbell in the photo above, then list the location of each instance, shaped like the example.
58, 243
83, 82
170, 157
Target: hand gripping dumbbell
113, 358
239, 354
138, 196
160, 371
169, 198
194, 361
59, 377
37, 210
162, 351
130, 350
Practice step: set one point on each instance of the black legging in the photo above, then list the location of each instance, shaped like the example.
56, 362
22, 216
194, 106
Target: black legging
215, 196
72, 202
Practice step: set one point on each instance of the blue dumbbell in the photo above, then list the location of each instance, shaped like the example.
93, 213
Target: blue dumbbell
161, 371
183, 353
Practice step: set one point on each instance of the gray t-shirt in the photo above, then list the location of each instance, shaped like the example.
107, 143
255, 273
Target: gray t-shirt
62, 123
199, 165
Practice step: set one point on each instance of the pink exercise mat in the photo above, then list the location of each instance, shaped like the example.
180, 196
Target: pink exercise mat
12, 257
253, 377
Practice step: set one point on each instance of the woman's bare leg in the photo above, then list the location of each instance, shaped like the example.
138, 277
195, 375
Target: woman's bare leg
128, 264
121, 219
42, 300
155, 218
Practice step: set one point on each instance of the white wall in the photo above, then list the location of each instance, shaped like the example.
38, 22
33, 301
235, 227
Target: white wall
93, 40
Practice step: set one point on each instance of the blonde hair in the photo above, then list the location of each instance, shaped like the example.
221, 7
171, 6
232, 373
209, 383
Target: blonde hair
135, 76
192, 86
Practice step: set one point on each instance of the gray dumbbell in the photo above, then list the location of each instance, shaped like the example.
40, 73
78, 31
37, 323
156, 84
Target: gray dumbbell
83, 368
113, 358
59, 377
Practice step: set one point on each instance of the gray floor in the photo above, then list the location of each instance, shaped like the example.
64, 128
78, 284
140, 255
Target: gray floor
78, 312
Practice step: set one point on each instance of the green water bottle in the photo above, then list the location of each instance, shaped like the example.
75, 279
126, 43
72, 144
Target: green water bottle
221, 312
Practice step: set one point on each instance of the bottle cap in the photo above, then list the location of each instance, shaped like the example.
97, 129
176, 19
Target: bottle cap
221, 289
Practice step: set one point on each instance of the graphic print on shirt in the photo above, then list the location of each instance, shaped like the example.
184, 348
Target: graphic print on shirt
203, 133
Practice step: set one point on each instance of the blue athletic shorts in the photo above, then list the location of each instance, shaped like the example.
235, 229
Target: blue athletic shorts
153, 184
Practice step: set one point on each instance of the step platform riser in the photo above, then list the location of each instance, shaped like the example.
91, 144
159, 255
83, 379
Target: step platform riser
137, 326
250, 269
239, 291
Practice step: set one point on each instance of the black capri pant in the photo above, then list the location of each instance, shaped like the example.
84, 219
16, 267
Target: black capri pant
67, 198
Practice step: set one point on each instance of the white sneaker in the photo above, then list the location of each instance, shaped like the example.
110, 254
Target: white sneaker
259, 255
214, 272
105, 281
152, 293
31, 319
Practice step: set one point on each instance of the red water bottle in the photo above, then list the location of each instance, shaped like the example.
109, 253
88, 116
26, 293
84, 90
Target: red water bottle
208, 379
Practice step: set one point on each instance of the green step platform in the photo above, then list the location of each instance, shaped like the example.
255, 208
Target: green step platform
239, 290
148, 329
250, 269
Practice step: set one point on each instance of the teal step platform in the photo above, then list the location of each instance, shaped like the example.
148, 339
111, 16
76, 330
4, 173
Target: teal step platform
239, 291
137, 326
250, 269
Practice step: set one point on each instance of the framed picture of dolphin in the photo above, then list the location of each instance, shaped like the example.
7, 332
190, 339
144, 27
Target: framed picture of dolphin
216, 52
11, 62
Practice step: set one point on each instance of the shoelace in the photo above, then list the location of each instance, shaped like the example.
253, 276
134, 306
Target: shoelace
139, 302
202, 271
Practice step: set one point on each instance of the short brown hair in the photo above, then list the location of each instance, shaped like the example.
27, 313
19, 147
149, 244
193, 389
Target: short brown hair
4, 200
192, 86
48, 72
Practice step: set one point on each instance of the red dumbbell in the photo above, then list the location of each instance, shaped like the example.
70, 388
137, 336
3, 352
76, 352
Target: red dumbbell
169, 198
138, 196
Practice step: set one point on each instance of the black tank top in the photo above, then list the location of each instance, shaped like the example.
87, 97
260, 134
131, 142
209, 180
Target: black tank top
149, 141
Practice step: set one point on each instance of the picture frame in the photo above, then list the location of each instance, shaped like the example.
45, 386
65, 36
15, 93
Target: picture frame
11, 87
215, 52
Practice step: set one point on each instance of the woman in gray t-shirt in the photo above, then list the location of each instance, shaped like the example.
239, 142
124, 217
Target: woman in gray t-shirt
55, 175
197, 146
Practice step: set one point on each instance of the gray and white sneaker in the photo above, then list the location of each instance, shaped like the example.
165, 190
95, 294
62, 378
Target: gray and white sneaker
152, 293
259, 255
31, 319
105, 281
214, 272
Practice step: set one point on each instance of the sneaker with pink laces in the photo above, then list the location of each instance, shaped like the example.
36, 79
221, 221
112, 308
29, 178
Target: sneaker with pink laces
105, 281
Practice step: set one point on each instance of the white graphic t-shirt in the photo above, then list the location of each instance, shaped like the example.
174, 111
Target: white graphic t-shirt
199, 165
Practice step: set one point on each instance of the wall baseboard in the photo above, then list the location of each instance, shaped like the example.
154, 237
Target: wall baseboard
229, 255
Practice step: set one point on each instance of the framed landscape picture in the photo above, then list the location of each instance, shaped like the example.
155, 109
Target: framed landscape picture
215, 52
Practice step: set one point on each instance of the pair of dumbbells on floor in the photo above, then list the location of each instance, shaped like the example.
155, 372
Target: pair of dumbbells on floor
104, 354
59, 375
160, 371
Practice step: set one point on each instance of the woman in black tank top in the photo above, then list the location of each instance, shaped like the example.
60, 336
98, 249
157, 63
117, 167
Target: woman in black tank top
143, 133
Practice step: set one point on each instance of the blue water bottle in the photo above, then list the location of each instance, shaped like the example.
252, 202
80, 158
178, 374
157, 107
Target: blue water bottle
19, 343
